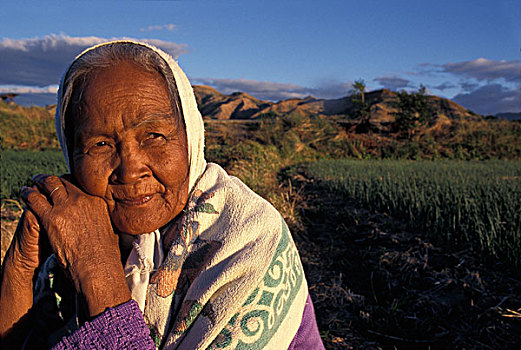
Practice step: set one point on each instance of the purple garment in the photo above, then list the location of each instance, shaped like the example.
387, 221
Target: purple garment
122, 327
307, 336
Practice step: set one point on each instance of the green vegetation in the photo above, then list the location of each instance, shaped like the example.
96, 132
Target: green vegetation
413, 112
19, 166
306, 138
460, 203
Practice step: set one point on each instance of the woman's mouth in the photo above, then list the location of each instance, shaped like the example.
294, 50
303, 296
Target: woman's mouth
132, 202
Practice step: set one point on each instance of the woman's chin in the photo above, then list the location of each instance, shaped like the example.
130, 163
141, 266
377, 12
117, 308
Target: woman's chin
143, 218
138, 224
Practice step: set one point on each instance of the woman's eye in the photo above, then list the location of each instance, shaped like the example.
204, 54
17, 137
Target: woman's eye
99, 147
154, 135
152, 139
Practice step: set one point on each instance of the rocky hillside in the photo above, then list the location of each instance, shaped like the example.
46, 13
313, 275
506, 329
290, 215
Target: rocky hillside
240, 105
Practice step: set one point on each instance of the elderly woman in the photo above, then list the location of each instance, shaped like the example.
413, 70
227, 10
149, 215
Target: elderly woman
151, 246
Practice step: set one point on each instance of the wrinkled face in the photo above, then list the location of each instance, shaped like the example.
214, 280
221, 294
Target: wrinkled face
128, 147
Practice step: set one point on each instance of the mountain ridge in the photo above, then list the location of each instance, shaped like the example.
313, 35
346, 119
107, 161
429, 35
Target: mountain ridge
509, 116
214, 104
240, 105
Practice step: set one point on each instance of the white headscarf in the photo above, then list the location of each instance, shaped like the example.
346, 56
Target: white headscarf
192, 116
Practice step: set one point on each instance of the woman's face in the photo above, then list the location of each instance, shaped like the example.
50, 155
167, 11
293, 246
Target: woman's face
128, 147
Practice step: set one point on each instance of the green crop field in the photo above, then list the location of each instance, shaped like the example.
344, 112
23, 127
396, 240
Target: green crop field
19, 166
460, 203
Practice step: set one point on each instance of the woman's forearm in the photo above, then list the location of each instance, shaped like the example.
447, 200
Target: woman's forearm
103, 287
16, 298
22, 259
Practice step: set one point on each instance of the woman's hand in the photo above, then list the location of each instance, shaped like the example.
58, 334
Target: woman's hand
28, 248
81, 235
27, 251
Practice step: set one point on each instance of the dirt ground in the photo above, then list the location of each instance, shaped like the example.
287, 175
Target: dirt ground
377, 285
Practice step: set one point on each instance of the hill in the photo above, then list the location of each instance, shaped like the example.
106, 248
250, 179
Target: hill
240, 105
509, 116
216, 105
27, 127
450, 132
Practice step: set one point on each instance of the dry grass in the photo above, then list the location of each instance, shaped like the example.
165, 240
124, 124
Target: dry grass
27, 127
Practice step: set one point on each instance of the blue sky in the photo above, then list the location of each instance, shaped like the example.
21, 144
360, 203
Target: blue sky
468, 51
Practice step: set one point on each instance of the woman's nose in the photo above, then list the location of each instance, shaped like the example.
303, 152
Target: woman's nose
131, 166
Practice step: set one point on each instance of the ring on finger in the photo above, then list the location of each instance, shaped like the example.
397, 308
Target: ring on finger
54, 190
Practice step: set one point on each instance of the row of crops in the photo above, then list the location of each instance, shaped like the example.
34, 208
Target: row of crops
19, 166
471, 204
476, 204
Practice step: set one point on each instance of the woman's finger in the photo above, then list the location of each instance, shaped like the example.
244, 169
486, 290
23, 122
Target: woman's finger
35, 201
46, 183
51, 186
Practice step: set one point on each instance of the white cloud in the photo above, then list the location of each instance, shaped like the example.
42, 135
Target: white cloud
444, 86
173, 49
487, 86
20, 89
170, 27
491, 99
42, 61
483, 85
393, 82
274, 91
333, 89
483, 69
468, 86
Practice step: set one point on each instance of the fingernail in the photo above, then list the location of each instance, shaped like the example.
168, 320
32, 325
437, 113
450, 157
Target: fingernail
34, 177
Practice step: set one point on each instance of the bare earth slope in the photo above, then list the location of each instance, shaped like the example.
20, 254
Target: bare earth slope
240, 105
216, 105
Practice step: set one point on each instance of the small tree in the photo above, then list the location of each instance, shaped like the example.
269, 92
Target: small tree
362, 108
359, 87
413, 112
